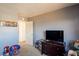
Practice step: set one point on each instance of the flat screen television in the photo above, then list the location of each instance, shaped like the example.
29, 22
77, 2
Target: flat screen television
56, 35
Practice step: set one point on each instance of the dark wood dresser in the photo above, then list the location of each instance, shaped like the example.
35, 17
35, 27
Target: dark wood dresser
53, 48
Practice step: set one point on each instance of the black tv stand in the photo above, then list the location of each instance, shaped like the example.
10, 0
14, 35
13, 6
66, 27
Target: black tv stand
52, 48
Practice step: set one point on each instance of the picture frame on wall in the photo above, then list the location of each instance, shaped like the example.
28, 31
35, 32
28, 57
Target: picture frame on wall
8, 23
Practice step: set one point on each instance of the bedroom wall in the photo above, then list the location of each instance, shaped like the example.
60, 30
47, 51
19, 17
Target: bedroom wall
66, 19
8, 35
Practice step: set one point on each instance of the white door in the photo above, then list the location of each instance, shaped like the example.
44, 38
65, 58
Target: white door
29, 32
26, 31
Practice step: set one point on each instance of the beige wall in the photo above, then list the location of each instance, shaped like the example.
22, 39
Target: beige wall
64, 19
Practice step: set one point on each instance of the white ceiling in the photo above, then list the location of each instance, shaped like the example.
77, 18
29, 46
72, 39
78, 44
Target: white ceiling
30, 9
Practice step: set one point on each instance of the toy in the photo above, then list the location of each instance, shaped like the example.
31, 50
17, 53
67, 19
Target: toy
14, 50
11, 51
6, 51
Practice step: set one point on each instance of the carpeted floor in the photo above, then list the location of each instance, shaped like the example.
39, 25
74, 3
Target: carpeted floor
28, 50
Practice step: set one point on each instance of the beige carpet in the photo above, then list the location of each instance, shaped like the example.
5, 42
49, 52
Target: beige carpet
28, 50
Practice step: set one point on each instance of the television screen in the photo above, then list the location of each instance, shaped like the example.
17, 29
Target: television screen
56, 35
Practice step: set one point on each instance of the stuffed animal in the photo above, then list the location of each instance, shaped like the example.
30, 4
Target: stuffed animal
72, 53
14, 50
11, 51
76, 44
6, 51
